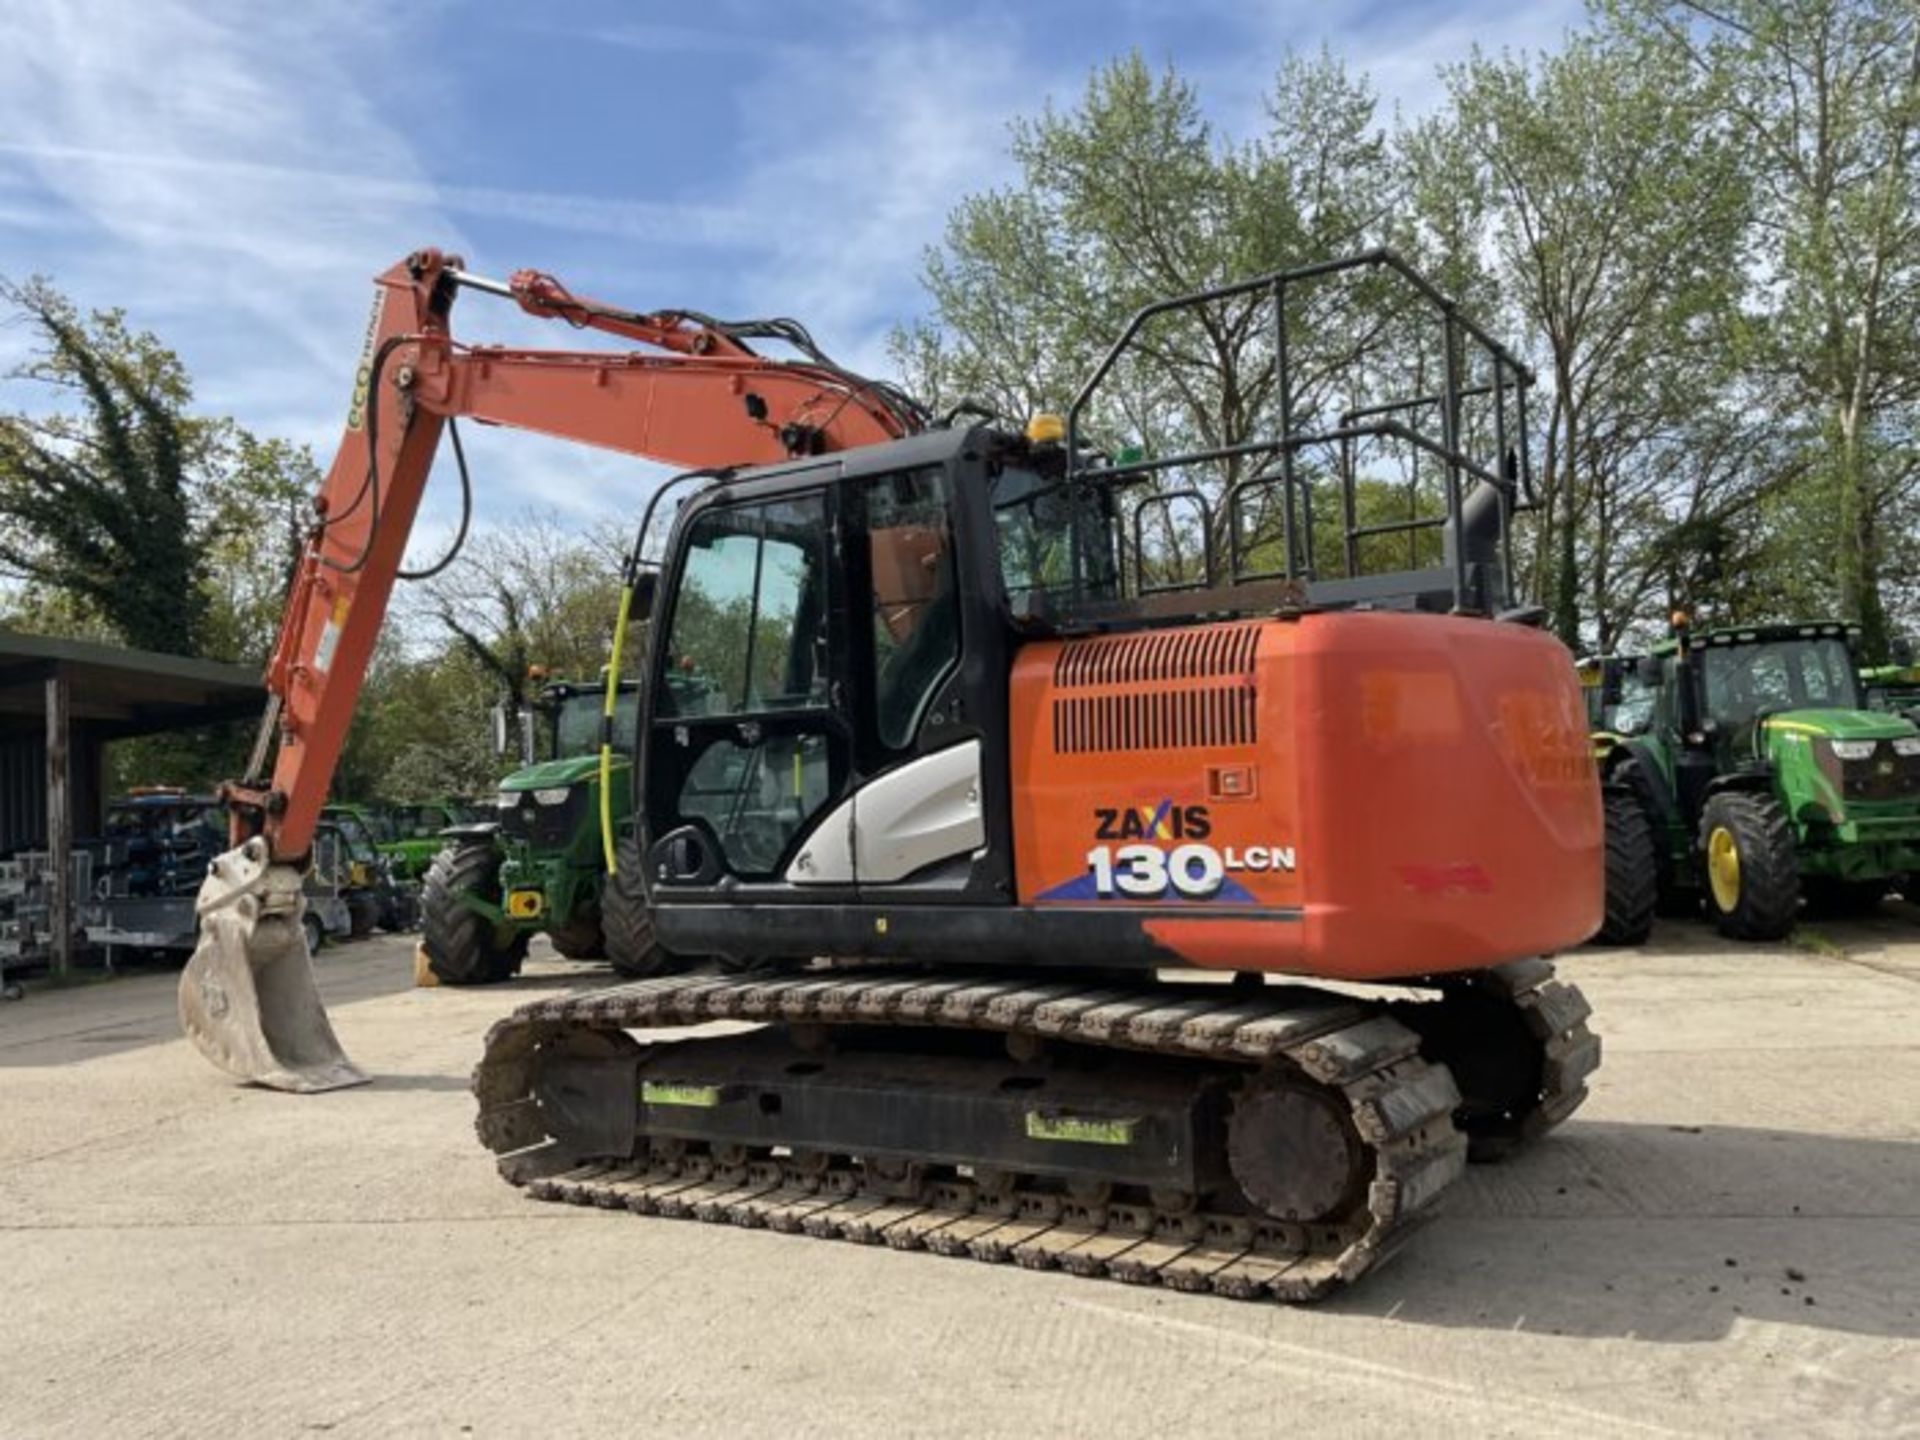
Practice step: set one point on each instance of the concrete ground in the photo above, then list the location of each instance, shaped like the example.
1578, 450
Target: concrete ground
1726, 1240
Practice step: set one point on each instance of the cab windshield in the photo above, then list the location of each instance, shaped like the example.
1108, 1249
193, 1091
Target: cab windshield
1746, 681
359, 840
576, 723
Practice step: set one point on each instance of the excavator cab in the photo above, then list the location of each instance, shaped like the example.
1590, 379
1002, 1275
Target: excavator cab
936, 675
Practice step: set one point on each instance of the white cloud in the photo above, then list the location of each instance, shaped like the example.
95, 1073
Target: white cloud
180, 153
861, 161
228, 177
233, 175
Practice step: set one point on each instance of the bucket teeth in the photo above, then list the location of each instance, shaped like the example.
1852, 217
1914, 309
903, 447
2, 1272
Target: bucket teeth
247, 997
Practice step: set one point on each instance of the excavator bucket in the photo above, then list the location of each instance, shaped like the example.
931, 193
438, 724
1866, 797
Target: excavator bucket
247, 996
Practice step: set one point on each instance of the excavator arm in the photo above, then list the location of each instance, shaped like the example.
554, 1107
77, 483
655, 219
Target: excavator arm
700, 397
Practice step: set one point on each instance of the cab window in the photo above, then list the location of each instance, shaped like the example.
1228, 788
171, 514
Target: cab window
749, 621
1034, 521
915, 618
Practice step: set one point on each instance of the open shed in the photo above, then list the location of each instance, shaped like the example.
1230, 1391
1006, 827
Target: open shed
61, 702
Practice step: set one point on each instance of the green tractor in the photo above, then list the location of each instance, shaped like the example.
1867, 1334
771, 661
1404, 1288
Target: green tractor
539, 866
411, 833
1761, 777
1896, 687
373, 895
1620, 700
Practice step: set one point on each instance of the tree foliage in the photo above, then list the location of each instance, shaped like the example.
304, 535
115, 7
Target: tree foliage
1697, 221
126, 513
1614, 196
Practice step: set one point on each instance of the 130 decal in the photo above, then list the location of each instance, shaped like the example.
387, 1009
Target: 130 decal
1192, 871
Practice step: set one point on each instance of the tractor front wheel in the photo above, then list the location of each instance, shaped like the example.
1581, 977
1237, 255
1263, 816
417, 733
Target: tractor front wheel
1633, 872
463, 947
1750, 866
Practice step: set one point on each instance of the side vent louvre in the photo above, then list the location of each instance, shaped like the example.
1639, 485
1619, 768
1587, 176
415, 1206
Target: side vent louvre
1162, 716
1166, 655
1159, 720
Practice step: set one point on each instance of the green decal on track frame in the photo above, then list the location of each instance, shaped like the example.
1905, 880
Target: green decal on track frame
692, 1097
1079, 1129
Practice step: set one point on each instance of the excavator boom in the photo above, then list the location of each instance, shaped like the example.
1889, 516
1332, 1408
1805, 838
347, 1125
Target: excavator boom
702, 397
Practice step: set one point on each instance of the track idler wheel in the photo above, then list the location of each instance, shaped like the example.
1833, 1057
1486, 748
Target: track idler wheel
1293, 1149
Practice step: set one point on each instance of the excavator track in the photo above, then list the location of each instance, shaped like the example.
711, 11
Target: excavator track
1337, 1084
1517, 1042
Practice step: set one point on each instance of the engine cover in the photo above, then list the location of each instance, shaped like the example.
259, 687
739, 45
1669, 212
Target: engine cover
1360, 794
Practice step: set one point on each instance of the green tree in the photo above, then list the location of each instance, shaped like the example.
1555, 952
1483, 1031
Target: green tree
1616, 201
129, 516
1824, 96
528, 594
1128, 198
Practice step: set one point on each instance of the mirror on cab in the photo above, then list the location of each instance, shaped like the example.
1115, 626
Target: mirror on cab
499, 717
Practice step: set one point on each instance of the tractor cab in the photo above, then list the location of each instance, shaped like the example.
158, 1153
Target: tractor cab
1895, 687
573, 713
1750, 677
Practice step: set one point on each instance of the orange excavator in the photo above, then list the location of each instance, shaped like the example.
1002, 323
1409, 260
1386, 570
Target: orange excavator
1020, 850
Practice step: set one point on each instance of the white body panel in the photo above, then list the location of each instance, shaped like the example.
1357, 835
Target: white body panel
925, 811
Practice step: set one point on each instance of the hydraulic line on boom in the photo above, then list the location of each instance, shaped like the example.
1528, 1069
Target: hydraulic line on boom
702, 396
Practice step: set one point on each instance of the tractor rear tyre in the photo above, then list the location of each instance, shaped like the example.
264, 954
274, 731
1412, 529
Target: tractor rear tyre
462, 947
363, 913
1633, 873
626, 919
1749, 865
579, 939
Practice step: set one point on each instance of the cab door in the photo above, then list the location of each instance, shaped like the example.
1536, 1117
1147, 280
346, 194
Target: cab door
749, 744
918, 816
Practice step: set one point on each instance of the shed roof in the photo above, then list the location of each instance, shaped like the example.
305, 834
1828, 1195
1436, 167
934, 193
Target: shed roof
114, 692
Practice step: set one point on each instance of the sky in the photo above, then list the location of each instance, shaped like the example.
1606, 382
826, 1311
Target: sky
233, 174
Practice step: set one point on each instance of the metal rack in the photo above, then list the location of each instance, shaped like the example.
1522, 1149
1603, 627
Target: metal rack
1481, 492
26, 909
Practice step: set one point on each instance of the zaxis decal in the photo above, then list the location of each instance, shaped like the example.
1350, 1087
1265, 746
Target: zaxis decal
1165, 821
